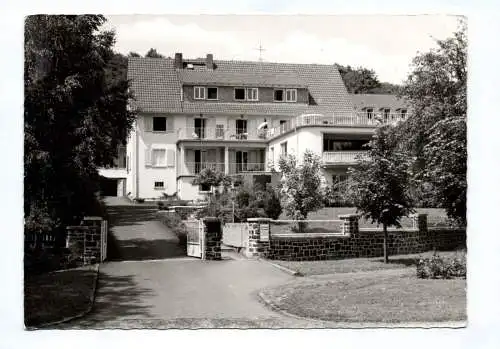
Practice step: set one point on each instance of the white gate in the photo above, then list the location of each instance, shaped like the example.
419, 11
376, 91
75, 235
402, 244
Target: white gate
104, 240
194, 238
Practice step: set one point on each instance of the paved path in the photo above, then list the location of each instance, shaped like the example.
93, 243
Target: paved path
136, 234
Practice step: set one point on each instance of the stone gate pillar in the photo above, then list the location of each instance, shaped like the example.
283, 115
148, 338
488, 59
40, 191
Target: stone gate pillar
350, 223
212, 231
259, 235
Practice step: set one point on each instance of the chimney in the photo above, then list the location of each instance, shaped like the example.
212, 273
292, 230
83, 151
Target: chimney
178, 60
210, 61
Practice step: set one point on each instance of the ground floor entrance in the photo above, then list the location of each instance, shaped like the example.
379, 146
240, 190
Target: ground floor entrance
112, 186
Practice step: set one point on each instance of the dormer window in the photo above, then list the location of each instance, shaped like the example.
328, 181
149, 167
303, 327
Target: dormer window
252, 94
239, 94
279, 95
199, 92
212, 93
291, 95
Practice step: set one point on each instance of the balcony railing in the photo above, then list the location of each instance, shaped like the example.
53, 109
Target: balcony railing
222, 134
356, 119
193, 168
343, 157
246, 167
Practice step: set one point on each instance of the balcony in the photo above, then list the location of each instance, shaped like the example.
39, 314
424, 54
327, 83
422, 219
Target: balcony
220, 134
356, 119
350, 157
194, 168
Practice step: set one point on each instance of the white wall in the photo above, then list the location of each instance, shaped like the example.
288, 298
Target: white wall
188, 191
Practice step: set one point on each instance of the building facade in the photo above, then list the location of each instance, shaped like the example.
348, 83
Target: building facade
238, 117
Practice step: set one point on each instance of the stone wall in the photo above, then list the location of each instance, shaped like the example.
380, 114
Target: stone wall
84, 244
365, 243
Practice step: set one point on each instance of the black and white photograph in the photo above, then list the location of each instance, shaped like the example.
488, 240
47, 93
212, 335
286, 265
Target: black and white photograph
245, 171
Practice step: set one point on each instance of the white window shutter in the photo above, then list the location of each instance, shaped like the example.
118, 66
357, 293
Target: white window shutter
170, 158
170, 124
147, 157
148, 123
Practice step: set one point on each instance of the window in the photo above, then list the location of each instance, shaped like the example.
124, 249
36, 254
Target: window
212, 93
219, 131
282, 122
239, 94
283, 148
403, 113
279, 95
199, 92
199, 127
204, 187
241, 161
386, 113
291, 95
252, 94
159, 124
241, 126
159, 185
159, 157
369, 113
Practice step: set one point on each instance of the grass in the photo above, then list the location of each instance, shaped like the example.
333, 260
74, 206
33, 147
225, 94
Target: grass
435, 216
359, 264
56, 296
377, 298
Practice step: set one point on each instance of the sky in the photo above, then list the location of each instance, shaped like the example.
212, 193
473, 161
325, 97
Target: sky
384, 43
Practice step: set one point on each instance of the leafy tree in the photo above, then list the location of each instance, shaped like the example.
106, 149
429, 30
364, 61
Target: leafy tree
363, 80
152, 53
75, 116
378, 186
133, 54
212, 179
301, 185
437, 93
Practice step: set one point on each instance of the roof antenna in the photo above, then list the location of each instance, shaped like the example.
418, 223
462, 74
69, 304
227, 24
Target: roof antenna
260, 48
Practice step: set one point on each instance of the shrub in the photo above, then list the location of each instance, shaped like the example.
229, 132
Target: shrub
271, 204
174, 222
438, 267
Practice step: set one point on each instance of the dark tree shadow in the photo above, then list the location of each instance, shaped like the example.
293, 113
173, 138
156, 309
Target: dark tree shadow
408, 262
117, 297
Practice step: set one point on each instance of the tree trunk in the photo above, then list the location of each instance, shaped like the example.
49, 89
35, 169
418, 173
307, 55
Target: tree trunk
386, 243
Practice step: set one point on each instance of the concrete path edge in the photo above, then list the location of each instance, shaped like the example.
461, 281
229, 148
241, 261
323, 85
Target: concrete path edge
282, 268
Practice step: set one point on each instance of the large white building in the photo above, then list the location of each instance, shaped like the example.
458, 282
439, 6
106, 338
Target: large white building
237, 117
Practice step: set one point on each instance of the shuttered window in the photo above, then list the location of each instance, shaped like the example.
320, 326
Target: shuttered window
159, 124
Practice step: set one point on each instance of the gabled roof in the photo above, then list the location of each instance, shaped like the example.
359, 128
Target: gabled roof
156, 85
377, 101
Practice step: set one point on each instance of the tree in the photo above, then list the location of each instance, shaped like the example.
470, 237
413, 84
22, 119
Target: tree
152, 53
75, 116
363, 80
212, 180
378, 186
437, 93
301, 185
133, 54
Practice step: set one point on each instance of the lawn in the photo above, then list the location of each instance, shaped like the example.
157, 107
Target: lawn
359, 264
56, 296
435, 216
374, 298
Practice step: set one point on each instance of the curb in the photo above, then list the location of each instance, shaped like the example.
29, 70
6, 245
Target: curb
80, 314
282, 268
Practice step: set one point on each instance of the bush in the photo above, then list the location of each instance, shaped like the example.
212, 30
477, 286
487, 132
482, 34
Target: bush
438, 267
174, 222
272, 204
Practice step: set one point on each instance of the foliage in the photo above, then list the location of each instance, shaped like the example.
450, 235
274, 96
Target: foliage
75, 115
435, 132
438, 267
362, 80
301, 185
152, 53
213, 179
335, 195
133, 54
271, 203
377, 187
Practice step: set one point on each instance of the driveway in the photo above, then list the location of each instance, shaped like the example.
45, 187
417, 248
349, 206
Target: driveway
149, 282
136, 234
